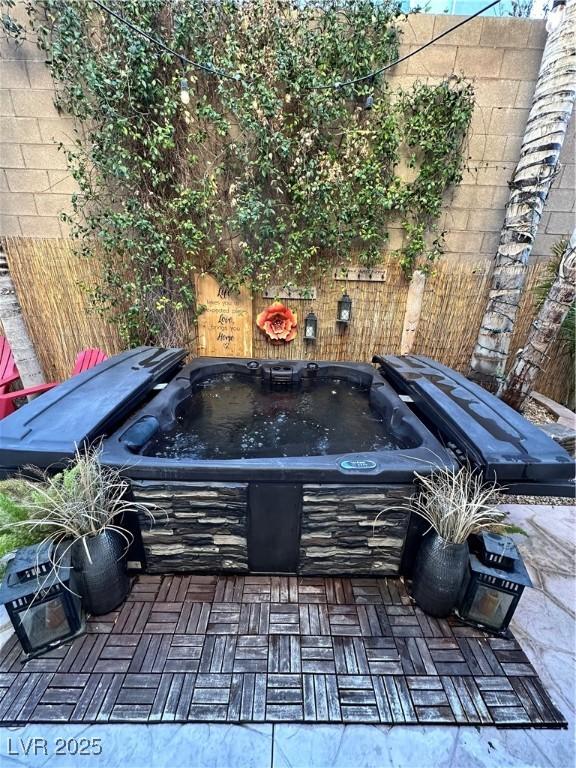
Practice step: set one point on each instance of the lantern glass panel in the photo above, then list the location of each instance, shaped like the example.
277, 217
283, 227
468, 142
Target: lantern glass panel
310, 326
490, 606
344, 309
45, 622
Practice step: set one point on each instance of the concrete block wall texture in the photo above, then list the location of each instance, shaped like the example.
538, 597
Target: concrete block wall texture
35, 185
500, 55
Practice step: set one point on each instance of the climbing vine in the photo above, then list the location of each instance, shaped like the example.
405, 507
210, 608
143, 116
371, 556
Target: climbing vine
261, 177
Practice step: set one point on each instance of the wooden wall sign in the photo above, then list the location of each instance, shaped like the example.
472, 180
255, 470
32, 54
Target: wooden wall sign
360, 274
296, 293
225, 326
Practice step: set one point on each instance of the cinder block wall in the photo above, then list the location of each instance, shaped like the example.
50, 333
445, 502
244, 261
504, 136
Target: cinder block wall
35, 186
501, 55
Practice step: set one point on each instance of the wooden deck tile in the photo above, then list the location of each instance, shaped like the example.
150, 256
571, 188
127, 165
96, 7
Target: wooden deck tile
35, 696
206, 648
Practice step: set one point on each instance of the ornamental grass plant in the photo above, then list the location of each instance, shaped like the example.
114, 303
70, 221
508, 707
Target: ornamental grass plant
458, 503
82, 501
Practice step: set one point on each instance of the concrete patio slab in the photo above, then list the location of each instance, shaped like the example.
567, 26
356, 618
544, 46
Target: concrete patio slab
203, 745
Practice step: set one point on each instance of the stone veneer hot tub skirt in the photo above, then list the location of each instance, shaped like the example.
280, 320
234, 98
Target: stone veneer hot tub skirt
327, 528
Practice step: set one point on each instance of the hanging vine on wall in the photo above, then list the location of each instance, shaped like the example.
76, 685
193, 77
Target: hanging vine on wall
258, 177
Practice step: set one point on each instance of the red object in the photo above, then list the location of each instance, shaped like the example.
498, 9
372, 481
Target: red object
278, 322
8, 371
85, 360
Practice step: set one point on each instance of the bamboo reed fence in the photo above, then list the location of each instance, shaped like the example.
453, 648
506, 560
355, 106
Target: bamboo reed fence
53, 283
452, 308
556, 380
454, 302
376, 327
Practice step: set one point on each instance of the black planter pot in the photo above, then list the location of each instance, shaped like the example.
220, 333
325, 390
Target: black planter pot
103, 583
438, 575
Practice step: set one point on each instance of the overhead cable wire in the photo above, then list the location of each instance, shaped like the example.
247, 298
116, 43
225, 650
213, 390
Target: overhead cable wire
237, 77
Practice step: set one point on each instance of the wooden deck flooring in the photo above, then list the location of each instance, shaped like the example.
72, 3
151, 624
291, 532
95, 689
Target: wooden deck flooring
275, 649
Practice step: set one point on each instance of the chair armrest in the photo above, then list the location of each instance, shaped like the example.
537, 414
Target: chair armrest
7, 400
37, 390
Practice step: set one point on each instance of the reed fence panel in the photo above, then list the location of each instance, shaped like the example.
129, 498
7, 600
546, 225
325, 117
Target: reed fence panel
376, 326
53, 285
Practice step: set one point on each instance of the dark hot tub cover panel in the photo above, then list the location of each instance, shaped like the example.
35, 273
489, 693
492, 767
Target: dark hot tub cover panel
83, 408
492, 435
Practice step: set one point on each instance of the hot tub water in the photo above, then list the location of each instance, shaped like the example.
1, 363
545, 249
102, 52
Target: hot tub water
233, 417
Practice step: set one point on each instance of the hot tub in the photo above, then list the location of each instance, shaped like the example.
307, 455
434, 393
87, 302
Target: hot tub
267, 466
281, 467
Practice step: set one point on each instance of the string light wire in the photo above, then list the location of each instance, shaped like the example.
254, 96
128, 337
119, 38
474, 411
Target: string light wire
208, 68
372, 75
211, 70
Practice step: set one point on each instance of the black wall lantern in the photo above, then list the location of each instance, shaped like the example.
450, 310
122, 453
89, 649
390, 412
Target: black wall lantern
344, 314
494, 583
39, 599
310, 327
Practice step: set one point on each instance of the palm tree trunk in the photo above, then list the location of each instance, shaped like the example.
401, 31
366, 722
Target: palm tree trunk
545, 130
16, 331
543, 332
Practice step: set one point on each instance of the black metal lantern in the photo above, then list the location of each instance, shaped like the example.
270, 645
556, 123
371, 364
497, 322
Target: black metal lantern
494, 583
40, 599
310, 327
344, 314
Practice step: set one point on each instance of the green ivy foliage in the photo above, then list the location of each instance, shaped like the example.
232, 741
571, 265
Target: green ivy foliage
261, 178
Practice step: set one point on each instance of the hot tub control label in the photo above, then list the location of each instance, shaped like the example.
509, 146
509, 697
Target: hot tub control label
358, 464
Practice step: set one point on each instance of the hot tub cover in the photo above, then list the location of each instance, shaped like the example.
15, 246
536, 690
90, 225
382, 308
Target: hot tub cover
478, 425
81, 409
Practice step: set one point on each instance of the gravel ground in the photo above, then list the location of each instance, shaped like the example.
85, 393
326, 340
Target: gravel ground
537, 414
554, 501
